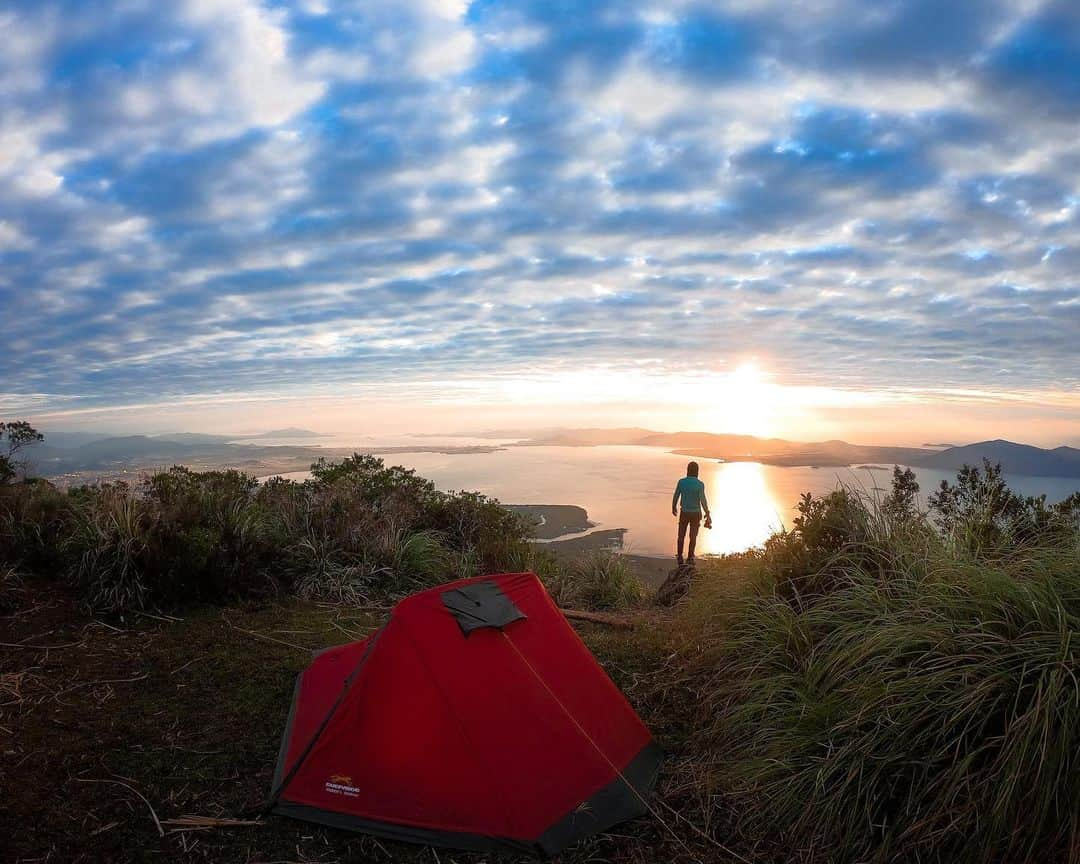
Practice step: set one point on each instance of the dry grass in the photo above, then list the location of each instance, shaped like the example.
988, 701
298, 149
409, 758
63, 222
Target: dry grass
896, 700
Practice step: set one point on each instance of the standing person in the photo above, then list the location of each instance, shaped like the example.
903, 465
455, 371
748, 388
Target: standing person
691, 491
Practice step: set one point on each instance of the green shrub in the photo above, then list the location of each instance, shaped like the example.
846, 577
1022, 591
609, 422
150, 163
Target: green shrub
982, 517
357, 531
908, 702
111, 548
599, 581
209, 533
328, 579
408, 560
34, 517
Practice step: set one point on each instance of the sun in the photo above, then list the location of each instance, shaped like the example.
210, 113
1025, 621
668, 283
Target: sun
746, 401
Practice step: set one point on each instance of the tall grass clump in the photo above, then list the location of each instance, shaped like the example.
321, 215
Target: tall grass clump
601, 580
34, 517
11, 584
180, 536
887, 691
110, 547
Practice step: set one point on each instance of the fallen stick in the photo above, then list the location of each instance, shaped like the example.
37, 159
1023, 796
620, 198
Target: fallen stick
40, 647
60, 693
168, 619
189, 662
264, 637
599, 618
157, 822
203, 823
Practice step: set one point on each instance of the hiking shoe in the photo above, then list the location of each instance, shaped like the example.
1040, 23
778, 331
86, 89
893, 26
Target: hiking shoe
691, 561
678, 561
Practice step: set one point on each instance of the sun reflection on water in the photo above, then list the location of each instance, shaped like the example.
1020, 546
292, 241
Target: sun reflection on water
744, 510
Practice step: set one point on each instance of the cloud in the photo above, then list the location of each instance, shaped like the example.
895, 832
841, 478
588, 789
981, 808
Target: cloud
230, 197
1038, 62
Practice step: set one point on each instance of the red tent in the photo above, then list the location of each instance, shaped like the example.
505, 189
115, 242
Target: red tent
475, 719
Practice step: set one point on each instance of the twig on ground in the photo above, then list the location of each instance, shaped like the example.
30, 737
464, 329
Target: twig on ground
157, 822
205, 823
348, 633
11, 685
40, 647
598, 618
354, 607
60, 693
701, 833
264, 637
109, 626
170, 619
189, 662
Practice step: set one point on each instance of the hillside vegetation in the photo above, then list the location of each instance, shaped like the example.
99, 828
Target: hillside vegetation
357, 531
893, 685
877, 684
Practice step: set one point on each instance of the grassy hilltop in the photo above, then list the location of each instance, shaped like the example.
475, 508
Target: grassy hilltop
877, 684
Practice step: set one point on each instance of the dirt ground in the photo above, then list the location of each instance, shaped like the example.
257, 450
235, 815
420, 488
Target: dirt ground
109, 727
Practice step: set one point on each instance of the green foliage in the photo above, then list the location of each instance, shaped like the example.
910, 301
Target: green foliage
600, 581
111, 548
840, 525
372, 482
13, 437
981, 516
356, 531
902, 502
879, 693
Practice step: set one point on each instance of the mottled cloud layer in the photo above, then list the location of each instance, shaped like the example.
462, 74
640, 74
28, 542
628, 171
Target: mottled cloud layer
228, 197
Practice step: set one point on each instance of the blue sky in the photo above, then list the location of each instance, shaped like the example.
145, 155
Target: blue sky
227, 203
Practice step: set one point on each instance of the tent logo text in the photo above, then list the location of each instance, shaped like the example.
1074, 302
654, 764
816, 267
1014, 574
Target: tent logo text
341, 784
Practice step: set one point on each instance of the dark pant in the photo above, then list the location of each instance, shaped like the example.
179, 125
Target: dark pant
694, 521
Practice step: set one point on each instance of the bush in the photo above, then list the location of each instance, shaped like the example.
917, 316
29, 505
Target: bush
982, 517
356, 531
181, 536
600, 581
843, 529
471, 522
34, 517
111, 549
909, 702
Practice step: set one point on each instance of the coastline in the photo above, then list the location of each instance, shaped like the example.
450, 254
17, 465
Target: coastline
566, 530
262, 462
651, 570
552, 521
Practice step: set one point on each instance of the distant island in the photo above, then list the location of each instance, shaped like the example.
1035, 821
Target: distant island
122, 457
117, 457
290, 432
1014, 458
549, 521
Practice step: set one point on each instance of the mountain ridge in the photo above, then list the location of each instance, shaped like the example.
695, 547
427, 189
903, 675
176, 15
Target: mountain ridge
1026, 459
1015, 458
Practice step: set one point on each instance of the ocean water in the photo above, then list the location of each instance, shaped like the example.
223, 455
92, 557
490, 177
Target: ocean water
630, 487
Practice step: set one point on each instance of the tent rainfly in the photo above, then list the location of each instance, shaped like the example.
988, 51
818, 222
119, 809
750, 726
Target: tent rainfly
474, 719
